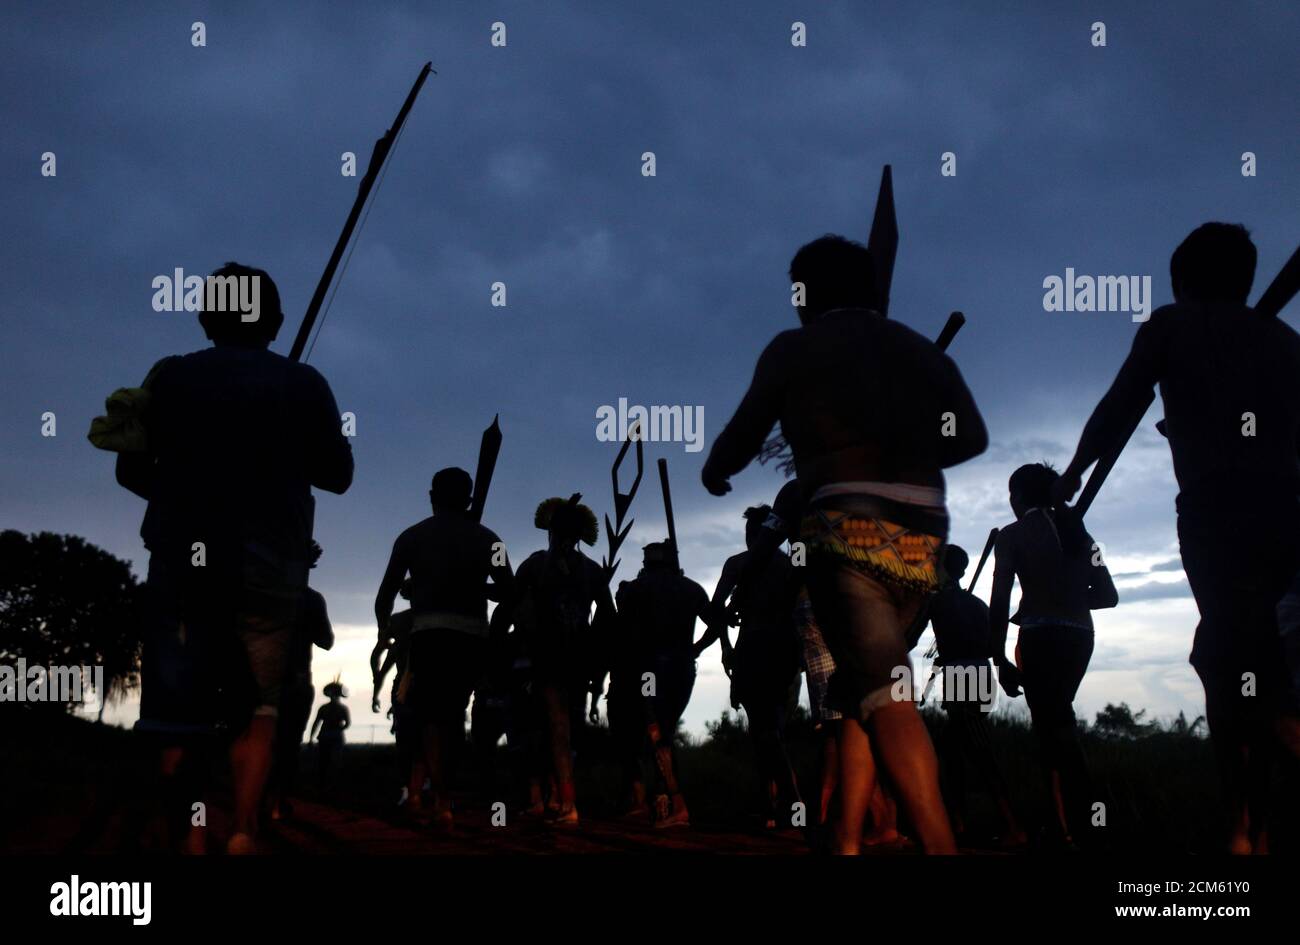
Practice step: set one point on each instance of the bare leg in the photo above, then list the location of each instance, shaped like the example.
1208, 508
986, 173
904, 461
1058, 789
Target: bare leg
830, 773
1233, 755
857, 778
434, 757
557, 712
415, 785
176, 806
903, 745
1058, 801
977, 749
1287, 728
250, 762
884, 817
1260, 764
664, 761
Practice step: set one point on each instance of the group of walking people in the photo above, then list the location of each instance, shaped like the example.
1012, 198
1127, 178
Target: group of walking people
840, 575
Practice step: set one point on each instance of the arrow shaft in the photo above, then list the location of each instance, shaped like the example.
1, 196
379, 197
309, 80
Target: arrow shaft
377, 158
668, 512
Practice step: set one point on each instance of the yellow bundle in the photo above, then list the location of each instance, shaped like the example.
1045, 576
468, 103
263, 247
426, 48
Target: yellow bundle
122, 430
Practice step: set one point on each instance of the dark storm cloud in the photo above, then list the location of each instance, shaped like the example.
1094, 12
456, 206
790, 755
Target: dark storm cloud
1156, 590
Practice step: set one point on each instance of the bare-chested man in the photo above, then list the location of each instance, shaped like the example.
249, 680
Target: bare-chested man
556, 589
450, 558
652, 673
1230, 382
873, 413
764, 664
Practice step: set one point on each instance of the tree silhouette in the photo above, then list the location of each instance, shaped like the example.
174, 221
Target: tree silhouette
65, 602
1119, 721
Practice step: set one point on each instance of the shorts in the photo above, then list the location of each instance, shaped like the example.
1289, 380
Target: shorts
295, 712
445, 666
193, 672
1053, 661
818, 664
864, 622
266, 644
872, 564
1239, 565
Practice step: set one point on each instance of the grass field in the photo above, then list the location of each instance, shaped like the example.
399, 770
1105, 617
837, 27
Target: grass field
68, 783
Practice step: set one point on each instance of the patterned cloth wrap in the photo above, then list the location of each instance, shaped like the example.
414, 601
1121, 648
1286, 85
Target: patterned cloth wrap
818, 664
891, 553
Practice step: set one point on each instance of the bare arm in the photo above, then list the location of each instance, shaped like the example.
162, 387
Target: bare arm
394, 575
759, 410
1128, 397
511, 596
1102, 594
706, 612
134, 473
329, 453
970, 437
727, 583
377, 672
1004, 576
503, 577
323, 630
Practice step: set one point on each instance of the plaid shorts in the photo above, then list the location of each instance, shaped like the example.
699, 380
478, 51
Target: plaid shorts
818, 664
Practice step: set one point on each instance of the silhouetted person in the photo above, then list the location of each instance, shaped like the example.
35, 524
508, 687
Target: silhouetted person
962, 634
652, 675
313, 629
1062, 580
332, 720
1230, 383
781, 526
450, 558
764, 664
238, 436
391, 653
558, 587
492, 715
865, 404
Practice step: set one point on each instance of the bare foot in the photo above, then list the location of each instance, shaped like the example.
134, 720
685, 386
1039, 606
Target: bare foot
882, 837
196, 842
240, 844
565, 817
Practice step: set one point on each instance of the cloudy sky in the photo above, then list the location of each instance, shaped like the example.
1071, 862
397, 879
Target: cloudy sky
522, 164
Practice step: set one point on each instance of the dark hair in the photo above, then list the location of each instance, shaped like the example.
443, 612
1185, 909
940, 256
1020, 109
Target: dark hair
836, 273
227, 325
656, 554
1216, 261
568, 522
758, 513
1033, 483
451, 489
955, 560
